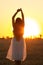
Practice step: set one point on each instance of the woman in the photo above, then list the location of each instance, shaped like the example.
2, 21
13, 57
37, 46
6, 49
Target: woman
17, 49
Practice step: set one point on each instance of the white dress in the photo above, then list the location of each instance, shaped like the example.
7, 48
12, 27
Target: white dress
17, 50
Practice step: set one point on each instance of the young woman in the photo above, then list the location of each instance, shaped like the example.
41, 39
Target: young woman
17, 49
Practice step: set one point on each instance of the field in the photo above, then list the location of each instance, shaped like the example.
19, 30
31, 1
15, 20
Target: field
34, 52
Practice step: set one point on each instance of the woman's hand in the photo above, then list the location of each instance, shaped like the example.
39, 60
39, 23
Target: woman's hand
19, 10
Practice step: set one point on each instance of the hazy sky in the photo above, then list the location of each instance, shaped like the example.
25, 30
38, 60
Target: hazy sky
31, 8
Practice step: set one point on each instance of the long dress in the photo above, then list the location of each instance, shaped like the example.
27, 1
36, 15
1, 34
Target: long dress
17, 50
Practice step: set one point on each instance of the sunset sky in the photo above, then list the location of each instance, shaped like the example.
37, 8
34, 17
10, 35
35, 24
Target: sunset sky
32, 9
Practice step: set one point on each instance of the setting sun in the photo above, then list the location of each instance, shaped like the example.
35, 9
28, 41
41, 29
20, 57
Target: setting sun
31, 28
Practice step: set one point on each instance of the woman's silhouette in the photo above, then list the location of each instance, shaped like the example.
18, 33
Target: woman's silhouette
17, 49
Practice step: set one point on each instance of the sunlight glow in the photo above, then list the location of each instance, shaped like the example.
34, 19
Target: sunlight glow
31, 28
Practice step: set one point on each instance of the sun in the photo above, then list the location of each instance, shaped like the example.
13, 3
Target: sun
31, 28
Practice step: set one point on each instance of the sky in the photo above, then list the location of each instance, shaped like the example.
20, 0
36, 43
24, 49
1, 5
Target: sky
31, 8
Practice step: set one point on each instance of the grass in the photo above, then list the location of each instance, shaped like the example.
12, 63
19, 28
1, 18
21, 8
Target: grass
34, 52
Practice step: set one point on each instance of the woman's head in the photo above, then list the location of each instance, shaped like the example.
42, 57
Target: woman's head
19, 21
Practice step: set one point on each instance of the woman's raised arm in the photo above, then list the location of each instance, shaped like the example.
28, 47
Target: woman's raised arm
22, 14
13, 19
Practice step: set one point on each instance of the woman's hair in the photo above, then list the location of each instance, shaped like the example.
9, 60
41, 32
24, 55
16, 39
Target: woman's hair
19, 21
